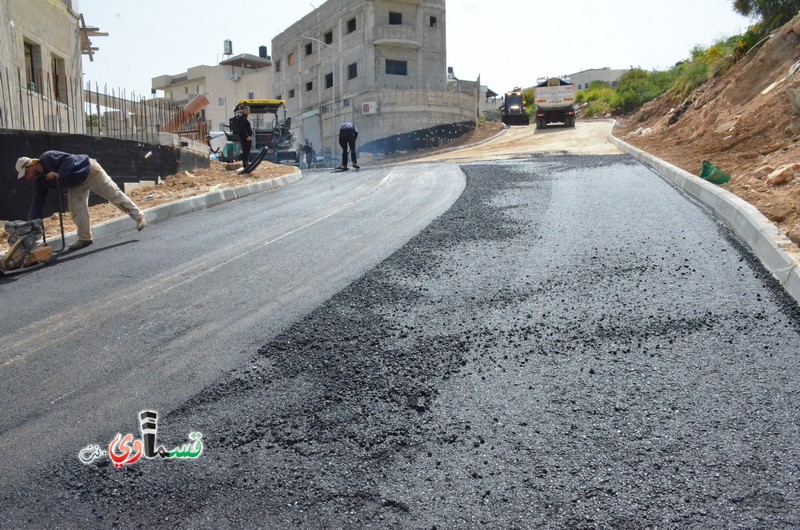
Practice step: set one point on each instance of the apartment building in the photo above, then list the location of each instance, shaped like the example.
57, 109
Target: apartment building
41, 44
244, 76
380, 64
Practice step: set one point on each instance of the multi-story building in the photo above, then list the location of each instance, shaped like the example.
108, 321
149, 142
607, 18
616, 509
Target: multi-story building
41, 43
244, 76
380, 64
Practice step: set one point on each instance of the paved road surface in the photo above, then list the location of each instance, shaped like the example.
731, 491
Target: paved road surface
573, 344
147, 320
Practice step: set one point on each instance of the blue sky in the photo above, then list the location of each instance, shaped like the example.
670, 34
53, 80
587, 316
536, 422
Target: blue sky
509, 43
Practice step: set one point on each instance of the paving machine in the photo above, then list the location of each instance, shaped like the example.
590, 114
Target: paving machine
271, 130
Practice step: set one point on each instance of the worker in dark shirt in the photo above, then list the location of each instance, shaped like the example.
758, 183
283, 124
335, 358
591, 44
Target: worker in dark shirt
347, 139
80, 175
245, 135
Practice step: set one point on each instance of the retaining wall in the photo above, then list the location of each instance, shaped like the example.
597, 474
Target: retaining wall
123, 160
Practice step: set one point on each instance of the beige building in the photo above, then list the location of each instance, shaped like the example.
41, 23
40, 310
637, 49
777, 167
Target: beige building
41, 43
238, 77
585, 78
380, 64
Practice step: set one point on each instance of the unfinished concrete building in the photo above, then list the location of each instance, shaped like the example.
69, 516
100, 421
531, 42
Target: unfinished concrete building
41, 43
380, 64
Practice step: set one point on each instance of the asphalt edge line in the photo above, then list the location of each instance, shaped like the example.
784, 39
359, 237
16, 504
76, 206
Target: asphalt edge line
188, 205
771, 246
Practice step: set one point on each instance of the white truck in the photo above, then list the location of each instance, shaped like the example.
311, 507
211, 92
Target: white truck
555, 100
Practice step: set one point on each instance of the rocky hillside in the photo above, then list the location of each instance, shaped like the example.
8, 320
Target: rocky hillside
746, 121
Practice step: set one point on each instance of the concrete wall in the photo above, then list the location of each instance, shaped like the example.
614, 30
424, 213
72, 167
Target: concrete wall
123, 160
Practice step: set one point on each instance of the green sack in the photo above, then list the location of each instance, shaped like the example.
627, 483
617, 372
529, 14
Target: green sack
713, 174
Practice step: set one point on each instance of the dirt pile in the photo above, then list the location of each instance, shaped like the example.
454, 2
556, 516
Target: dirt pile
746, 121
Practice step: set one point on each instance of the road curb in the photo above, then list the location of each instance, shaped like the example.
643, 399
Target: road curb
191, 204
771, 246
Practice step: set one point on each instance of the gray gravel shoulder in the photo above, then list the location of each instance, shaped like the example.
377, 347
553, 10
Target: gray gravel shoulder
573, 345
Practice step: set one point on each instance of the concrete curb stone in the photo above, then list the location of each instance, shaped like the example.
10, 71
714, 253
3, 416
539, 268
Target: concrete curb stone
771, 246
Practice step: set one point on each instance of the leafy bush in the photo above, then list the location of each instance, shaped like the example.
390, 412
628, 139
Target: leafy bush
597, 108
636, 87
529, 96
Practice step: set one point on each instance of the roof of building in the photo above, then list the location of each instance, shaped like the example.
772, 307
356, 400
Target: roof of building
247, 60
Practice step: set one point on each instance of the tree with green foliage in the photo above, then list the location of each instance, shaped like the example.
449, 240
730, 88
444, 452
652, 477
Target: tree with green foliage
529, 96
771, 13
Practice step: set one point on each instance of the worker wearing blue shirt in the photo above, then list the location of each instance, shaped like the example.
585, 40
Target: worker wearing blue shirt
80, 175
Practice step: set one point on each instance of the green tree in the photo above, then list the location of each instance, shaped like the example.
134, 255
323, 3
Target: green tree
770, 13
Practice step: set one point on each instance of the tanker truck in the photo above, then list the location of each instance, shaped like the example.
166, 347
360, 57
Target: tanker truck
555, 98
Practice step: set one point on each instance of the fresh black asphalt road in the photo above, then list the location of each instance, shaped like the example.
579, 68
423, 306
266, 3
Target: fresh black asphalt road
572, 344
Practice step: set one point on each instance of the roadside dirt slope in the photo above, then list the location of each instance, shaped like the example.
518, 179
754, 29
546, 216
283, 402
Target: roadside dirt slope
742, 121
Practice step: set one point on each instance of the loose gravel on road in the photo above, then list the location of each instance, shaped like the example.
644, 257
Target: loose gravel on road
572, 345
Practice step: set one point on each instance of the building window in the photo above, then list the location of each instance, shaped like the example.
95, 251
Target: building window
347, 102
395, 19
352, 71
396, 67
33, 66
186, 90
309, 86
251, 95
309, 49
278, 65
434, 22
328, 38
59, 69
290, 60
291, 94
279, 96
351, 25
329, 80
220, 102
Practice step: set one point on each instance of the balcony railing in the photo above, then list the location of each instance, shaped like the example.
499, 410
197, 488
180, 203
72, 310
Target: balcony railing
403, 36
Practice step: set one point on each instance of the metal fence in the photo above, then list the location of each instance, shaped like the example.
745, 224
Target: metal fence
38, 101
